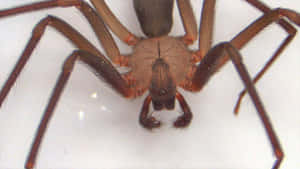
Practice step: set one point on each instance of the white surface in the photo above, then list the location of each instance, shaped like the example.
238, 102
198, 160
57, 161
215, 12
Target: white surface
103, 131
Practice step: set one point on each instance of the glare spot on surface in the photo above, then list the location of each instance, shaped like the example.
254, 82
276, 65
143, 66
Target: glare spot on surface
94, 95
103, 108
81, 115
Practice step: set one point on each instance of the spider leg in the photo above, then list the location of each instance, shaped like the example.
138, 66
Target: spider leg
113, 23
101, 67
98, 26
91, 15
189, 21
79, 41
75, 37
212, 62
256, 27
39, 6
291, 34
206, 29
103, 35
206, 34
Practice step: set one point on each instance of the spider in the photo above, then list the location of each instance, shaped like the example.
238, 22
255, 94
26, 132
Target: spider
159, 63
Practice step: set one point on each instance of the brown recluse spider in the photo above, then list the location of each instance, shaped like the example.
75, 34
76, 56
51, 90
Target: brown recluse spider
153, 64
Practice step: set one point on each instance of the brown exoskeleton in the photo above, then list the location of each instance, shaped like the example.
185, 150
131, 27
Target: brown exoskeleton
160, 63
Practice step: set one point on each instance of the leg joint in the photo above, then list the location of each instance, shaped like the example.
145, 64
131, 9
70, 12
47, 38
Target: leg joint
41, 26
70, 61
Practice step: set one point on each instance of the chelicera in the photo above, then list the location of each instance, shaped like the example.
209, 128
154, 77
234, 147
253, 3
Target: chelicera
159, 63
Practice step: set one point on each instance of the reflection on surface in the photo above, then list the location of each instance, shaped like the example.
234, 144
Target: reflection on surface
103, 108
94, 95
81, 114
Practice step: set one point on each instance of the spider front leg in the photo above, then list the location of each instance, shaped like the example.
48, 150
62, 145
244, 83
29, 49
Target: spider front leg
37, 34
78, 40
96, 21
291, 34
206, 34
211, 64
101, 66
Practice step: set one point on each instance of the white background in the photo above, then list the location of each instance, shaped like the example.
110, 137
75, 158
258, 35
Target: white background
103, 131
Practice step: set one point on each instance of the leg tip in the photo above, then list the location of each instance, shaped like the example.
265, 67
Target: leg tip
29, 165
